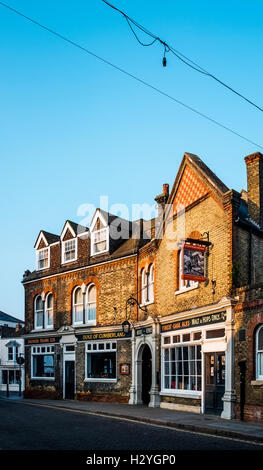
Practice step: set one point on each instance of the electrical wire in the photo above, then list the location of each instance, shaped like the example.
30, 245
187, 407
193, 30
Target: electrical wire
179, 55
143, 82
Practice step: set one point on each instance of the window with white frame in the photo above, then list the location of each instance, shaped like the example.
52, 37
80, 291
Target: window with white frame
42, 258
99, 241
183, 284
42, 362
182, 362
49, 311
44, 312
77, 306
39, 313
69, 250
12, 375
91, 304
151, 283
259, 353
101, 360
147, 285
12, 353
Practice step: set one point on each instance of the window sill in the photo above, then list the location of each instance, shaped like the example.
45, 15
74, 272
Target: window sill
39, 330
42, 378
150, 302
99, 253
69, 261
195, 394
84, 325
256, 383
101, 380
187, 289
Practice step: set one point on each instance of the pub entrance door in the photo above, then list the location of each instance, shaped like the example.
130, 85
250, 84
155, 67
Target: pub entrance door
215, 382
146, 374
69, 379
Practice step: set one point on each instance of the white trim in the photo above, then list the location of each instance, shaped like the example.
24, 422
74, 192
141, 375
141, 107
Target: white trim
63, 242
66, 227
37, 258
92, 253
40, 236
101, 380
195, 394
113, 260
258, 376
186, 289
97, 215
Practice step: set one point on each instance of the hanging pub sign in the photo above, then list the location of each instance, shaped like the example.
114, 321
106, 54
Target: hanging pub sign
193, 262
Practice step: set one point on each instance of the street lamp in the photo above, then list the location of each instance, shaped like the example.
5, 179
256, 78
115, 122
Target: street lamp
126, 326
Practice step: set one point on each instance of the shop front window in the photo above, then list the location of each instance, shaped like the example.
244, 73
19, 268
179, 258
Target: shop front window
101, 360
43, 362
182, 367
13, 375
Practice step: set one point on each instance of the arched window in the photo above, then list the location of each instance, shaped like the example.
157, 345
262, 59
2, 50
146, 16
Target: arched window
77, 306
91, 304
144, 293
39, 313
49, 311
259, 353
151, 283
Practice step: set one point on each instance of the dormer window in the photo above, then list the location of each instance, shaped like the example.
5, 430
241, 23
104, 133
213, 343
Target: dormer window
99, 231
43, 258
99, 241
69, 250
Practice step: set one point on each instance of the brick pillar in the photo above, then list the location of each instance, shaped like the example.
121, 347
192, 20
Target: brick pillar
254, 164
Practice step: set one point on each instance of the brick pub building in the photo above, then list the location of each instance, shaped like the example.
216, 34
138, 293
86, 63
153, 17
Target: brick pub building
189, 282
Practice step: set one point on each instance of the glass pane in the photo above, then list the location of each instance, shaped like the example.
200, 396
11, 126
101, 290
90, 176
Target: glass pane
50, 301
92, 294
39, 303
260, 339
39, 320
101, 365
91, 313
260, 364
79, 314
78, 297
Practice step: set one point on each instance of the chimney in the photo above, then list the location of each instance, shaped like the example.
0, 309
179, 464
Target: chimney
254, 164
162, 199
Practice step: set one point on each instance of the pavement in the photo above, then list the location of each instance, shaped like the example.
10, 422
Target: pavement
205, 424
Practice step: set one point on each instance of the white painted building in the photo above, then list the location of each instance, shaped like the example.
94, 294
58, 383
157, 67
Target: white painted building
11, 348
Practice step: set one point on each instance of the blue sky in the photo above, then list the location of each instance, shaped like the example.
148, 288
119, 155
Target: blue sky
73, 128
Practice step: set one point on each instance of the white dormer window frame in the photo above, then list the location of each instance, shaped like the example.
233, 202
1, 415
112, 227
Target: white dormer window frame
97, 236
68, 248
40, 256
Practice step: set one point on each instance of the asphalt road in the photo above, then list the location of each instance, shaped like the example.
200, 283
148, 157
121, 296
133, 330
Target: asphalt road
32, 427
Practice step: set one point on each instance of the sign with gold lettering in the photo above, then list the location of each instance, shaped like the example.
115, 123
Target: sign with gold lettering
103, 335
42, 340
192, 322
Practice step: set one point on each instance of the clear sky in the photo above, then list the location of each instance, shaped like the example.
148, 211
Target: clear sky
73, 129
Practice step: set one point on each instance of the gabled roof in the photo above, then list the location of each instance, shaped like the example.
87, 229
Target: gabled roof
107, 217
206, 178
5, 317
75, 229
47, 237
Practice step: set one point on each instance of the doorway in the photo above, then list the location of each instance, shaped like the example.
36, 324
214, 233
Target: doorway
146, 374
215, 382
69, 380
